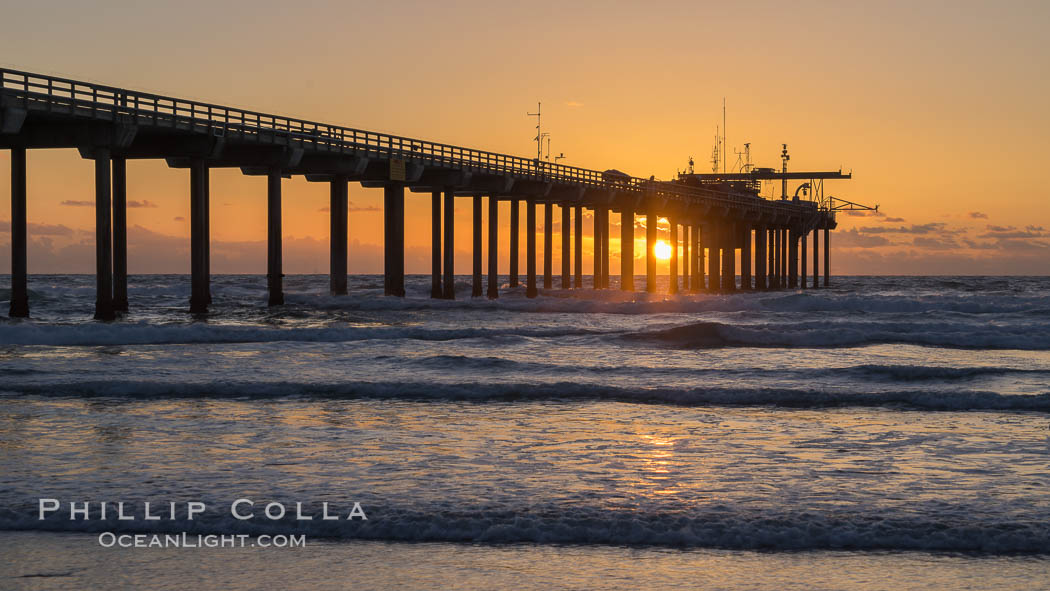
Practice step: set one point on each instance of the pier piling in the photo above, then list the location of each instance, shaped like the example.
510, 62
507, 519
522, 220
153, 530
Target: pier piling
103, 237
19, 236
274, 273
627, 249
530, 249
493, 279
448, 290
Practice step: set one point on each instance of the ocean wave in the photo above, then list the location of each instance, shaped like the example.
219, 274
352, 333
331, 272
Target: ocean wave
830, 333
143, 333
891, 373
486, 392
953, 529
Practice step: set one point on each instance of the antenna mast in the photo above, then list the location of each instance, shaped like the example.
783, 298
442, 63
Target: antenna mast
716, 152
723, 135
539, 134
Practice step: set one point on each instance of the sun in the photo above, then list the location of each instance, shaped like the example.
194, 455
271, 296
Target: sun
662, 250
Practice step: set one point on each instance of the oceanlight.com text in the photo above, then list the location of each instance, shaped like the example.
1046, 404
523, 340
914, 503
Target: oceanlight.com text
185, 540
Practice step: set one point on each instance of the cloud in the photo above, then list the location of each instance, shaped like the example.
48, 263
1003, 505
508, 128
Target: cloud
72, 203
977, 215
364, 208
573, 104
893, 221
853, 238
143, 203
33, 228
1012, 233
325, 209
179, 218
935, 243
929, 228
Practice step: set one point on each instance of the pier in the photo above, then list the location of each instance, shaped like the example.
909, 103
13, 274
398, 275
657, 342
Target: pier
715, 218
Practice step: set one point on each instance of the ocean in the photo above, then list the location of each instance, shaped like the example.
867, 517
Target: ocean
885, 433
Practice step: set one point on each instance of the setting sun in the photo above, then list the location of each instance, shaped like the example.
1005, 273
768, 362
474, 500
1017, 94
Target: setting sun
662, 250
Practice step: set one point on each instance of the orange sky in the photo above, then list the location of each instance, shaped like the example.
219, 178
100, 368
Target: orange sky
937, 107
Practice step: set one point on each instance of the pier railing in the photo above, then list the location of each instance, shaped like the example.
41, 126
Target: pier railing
87, 99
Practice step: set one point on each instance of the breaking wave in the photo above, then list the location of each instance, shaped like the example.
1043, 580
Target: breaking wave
949, 529
572, 391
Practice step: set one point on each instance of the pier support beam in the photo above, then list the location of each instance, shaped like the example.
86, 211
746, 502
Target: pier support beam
816, 262
120, 234
771, 263
650, 250
793, 258
802, 260
761, 238
729, 239
672, 274
338, 210
274, 272
827, 257
19, 237
548, 245
566, 246
448, 290
530, 248
627, 249
515, 222
745, 258
436, 290
596, 276
493, 286
476, 247
198, 246
103, 237
697, 283
714, 258
783, 257
577, 228
605, 248
686, 247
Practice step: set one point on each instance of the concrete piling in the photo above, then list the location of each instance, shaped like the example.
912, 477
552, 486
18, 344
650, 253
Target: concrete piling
120, 234
436, 290
548, 245
448, 289
566, 246
274, 273
627, 249
338, 211
672, 274
19, 237
515, 222
530, 249
650, 250
577, 231
103, 237
476, 247
198, 211
493, 279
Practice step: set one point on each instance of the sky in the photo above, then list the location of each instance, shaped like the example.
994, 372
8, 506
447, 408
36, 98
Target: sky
938, 109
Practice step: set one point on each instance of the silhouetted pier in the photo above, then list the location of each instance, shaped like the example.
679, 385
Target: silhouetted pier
113, 125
